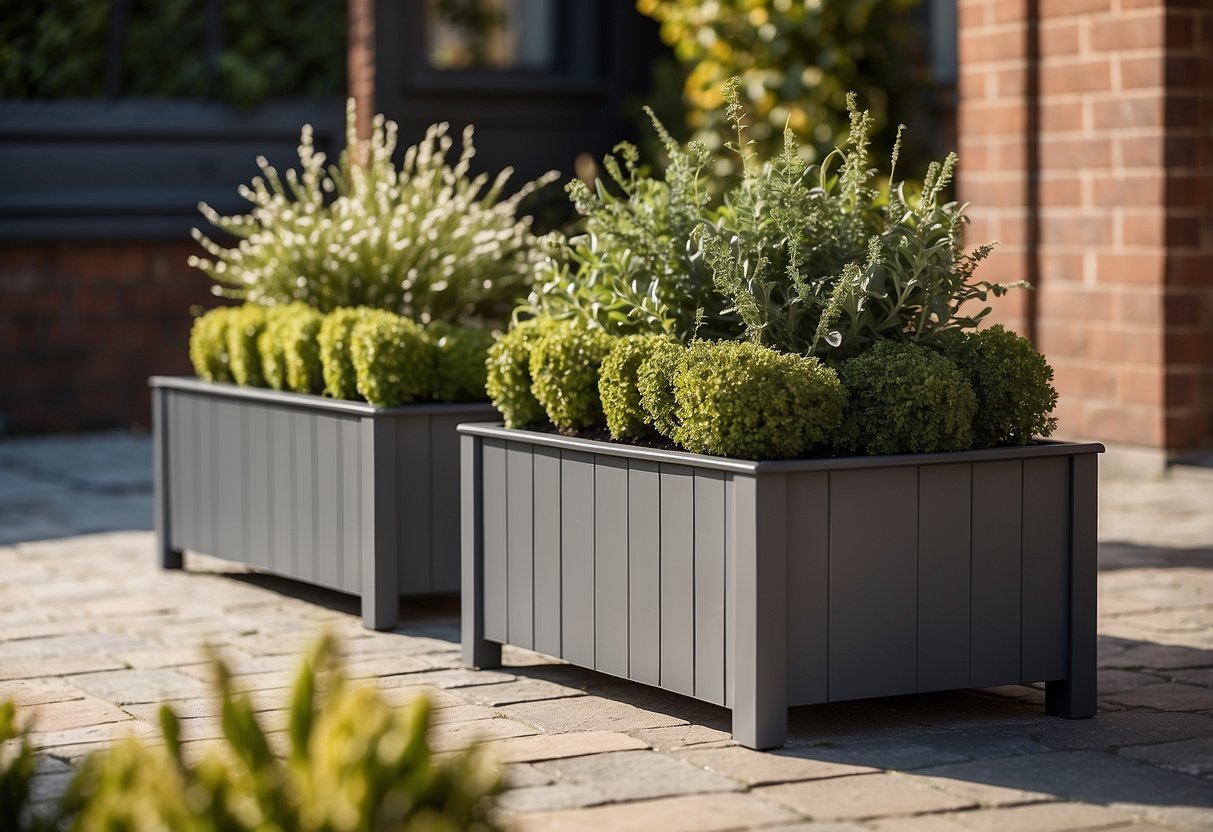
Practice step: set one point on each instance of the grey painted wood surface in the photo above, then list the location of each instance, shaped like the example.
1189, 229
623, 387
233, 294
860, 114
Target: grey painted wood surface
785, 586
335, 494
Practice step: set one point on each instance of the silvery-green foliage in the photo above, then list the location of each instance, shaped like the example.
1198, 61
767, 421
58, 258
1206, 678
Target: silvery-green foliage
425, 240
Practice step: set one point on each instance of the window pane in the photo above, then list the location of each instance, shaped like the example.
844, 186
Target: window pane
491, 34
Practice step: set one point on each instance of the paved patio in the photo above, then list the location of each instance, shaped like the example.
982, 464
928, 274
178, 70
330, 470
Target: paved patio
93, 636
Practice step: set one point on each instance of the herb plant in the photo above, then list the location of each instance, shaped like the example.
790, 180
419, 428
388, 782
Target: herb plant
565, 365
618, 385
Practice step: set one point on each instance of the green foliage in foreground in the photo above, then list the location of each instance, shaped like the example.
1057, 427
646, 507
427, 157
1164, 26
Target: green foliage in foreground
460, 366
564, 375
392, 360
208, 345
16, 771
340, 380
243, 332
509, 373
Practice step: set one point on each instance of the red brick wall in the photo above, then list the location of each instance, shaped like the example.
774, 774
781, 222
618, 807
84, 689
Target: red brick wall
83, 325
1086, 132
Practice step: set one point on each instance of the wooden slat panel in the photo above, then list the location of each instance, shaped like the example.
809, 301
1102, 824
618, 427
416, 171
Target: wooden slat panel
644, 572
230, 460
995, 573
207, 484
444, 502
577, 557
351, 506
182, 471
284, 472
545, 474
611, 565
259, 477
520, 545
496, 569
678, 579
1046, 570
808, 587
303, 437
328, 515
943, 576
710, 532
413, 503
873, 579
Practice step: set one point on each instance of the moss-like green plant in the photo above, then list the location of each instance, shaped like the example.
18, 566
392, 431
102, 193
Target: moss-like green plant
626, 417
905, 398
208, 345
245, 327
460, 362
393, 363
269, 347
655, 385
352, 763
743, 400
1012, 383
564, 375
337, 367
301, 350
509, 373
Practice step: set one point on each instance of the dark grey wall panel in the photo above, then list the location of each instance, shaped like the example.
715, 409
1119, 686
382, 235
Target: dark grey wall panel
997, 535
944, 516
873, 583
611, 565
710, 531
678, 579
1046, 569
577, 557
413, 506
808, 587
496, 557
520, 545
546, 476
644, 572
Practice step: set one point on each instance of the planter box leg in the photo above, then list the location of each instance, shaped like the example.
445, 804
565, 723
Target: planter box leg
380, 587
169, 557
477, 651
1074, 697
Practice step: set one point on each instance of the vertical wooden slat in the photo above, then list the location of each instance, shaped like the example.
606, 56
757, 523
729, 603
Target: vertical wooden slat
995, 574
644, 572
380, 596
731, 622
258, 462
303, 436
546, 564
496, 565
1046, 569
230, 486
943, 576
873, 580
413, 506
183, 469
808, 587
710, 534
284, 476
205, 493
1075, 696
520, 545
444, 502
611, 565
351, 507
678, 579
162, 503
328, 505
577, 557
477, 650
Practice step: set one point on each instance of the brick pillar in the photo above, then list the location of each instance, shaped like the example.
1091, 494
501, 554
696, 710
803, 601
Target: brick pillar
361, 63
1086, 131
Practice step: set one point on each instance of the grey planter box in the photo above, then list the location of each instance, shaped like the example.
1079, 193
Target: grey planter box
763, 585
340, 494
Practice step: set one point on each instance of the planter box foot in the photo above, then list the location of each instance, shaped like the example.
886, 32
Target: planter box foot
760, 730
1069, 699
479, 654
171, 558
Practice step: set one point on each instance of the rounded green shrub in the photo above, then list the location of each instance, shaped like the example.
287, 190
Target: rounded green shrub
744, 400
508, 379
905, 398
392, 359
269, 346
246, 325
301, 350
655, 386
208, 345
625, 415
564, 375
1012, 383
460, 367
337, 367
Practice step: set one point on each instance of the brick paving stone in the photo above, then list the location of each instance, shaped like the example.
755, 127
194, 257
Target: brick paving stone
919, 823
587, 713
57, 666
1167, 696
1195, 676
1189, 756
160, 656
809, 826
457, 678
1038, 817
1113, 681
28, 692
555, 746
551, 797
983, 794
461, 713
922, 750
74, 713
682, 736
521, 775
689, 813
861, 797
454, 736
522, 690
636, 775
438, 698
756, 768
105, 732
137, 686
1113, 730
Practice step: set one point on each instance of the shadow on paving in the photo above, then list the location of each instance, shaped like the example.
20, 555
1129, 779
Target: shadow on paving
1115, 555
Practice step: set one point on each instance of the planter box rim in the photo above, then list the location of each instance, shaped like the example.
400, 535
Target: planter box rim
286, 397
1042, 448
